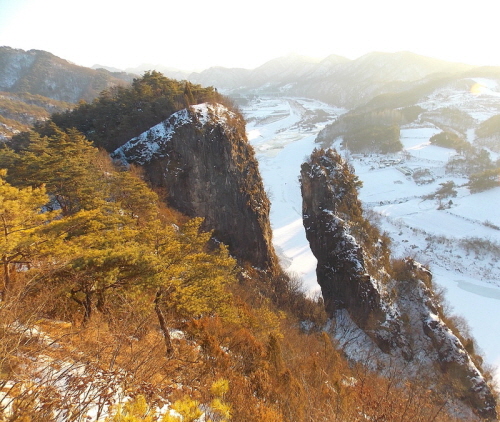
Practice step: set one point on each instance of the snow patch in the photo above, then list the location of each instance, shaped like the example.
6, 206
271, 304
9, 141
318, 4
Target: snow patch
152, 144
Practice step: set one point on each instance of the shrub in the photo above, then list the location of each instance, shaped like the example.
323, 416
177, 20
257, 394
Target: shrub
449, 140
484, 180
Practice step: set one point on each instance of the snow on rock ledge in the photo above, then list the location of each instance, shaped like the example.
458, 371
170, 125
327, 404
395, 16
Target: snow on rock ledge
152, 144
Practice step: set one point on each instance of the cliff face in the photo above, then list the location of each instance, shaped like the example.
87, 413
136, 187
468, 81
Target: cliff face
341, 270
203, 159
350, 278
393, 305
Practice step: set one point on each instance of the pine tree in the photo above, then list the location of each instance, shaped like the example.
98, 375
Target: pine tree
21, 219
187, 276
66, 164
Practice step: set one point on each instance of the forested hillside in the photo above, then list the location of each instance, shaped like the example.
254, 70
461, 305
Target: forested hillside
120, 113
18, 112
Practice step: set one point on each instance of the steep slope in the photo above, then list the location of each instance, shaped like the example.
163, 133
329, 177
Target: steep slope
393, 305
42, 73
202, 157
342, 271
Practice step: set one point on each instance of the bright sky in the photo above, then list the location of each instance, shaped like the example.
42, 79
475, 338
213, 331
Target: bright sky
196, 34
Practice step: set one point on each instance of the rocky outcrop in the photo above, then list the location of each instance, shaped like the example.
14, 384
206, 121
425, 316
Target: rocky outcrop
341, 270
394, 305
331, 214
201, 156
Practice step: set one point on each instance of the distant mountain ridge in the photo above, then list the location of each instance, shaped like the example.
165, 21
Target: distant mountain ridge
42, 73
375, 80
336, 80
168, 71
34, 84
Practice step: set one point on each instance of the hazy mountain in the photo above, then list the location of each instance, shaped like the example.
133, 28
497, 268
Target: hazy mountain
328, 66
42, 73
336, 80
271, 75
283, 70
108, 68
169, 72
373, 74
222, 77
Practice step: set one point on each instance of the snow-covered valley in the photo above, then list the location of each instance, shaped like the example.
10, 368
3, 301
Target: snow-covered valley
283, 139
458, 240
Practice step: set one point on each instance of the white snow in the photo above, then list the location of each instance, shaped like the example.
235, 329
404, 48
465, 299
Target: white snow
479, 97
281, 145
89, 389
440, 238
150, 142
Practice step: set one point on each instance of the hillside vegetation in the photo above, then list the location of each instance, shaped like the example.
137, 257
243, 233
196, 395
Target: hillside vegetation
108, 296
377, 131
34, 84
18, 112
488, 133
97, 274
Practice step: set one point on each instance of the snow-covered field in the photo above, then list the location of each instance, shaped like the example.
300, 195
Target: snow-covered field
460, 243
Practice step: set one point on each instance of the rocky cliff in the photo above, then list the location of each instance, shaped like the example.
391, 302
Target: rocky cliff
202, 157
389, 304
341, 270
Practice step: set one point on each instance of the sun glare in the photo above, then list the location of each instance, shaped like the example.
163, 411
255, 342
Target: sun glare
477, 89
